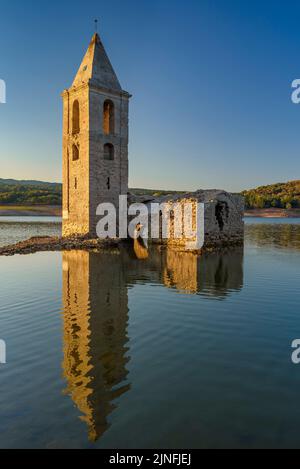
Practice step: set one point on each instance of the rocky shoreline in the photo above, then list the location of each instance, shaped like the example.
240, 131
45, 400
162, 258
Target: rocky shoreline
272, 213
47, 243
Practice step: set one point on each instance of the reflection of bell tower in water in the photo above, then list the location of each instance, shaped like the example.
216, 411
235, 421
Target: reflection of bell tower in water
95, 335
95, 299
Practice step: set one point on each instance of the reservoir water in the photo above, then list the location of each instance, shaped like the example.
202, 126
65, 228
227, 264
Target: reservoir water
169, 351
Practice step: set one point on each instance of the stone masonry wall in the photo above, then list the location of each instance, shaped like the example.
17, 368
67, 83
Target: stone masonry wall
108, 179
76, 173
91, 179
223, 219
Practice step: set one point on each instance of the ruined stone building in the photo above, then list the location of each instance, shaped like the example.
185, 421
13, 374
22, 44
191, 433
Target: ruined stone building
218, 212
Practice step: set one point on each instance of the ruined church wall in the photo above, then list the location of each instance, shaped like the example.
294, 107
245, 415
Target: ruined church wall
223, 222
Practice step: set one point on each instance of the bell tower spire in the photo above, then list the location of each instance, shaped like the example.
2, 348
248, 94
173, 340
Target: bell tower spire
95, 141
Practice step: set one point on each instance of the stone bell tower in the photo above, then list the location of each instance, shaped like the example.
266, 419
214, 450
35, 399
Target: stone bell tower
95, 142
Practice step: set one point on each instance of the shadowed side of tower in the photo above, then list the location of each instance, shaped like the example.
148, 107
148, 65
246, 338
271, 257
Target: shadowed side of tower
95, 142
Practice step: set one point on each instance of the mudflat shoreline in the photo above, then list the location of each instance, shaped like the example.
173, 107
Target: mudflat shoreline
273, 213
30, 211
50, 243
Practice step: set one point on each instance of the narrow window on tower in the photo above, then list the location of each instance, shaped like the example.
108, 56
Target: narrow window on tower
75, 184
108, 184
75, 153
76, 118
108, 117
109, 152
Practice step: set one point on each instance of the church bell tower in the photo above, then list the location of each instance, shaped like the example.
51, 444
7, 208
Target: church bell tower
95, 142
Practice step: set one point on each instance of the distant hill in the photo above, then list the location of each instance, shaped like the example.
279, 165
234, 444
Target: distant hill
154, 192
13, 192
15, 182
281, 195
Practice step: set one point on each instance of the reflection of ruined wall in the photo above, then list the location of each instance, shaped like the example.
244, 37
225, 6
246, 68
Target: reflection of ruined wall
95, 335
213, 274
181, 271
221, 273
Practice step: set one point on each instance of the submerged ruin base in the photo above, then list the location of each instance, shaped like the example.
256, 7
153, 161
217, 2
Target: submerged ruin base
47, 243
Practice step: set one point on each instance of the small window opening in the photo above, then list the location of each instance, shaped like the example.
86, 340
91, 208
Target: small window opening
109, 152
221, 214
75, 153
108, 117
76, 118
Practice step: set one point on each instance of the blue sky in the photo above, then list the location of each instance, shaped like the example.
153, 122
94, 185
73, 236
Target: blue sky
211, 84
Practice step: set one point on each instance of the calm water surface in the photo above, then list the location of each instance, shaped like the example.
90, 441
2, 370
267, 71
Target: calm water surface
109, 351
16, 229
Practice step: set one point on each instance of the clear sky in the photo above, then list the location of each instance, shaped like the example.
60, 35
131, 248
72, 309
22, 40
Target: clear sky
211, 84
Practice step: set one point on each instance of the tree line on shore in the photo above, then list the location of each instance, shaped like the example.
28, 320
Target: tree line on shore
29, 193
280, 195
